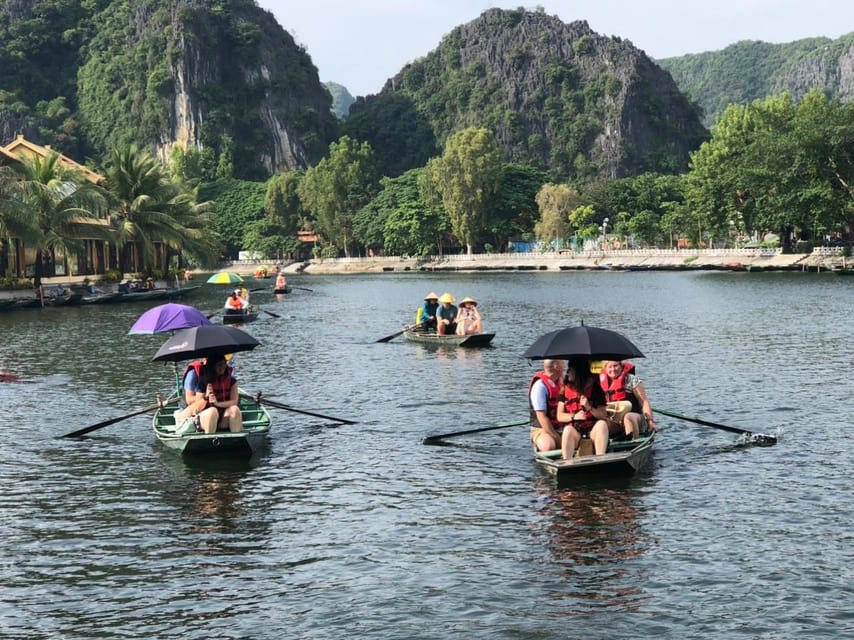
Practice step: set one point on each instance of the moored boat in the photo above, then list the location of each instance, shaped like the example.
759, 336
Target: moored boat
157, 294
237, 316
432, 338
256, 428
101, 298
623, 457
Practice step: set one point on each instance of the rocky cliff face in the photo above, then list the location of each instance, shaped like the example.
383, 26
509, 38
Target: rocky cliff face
279, 105
221, 78
557, 95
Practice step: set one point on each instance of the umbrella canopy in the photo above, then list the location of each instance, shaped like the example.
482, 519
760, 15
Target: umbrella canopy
225, 277
593, 342
204, 342
169, 317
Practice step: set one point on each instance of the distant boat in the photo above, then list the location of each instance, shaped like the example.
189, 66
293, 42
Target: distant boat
432, 338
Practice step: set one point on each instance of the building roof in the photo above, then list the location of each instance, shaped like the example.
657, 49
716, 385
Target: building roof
22, 149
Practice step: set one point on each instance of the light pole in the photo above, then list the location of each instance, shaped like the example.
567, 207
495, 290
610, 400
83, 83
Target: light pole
604, 229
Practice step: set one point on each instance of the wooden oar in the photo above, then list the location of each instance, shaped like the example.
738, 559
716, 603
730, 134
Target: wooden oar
107, 423
300, 288
285, 407
211, 315
394, 335
275, 315
437, 438
706, 423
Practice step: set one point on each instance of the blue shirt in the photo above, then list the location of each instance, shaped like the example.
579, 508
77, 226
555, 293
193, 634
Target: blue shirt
428, 309
447, 313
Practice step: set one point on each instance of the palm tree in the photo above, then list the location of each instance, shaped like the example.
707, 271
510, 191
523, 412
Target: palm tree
13, 220
58, 206
148, 208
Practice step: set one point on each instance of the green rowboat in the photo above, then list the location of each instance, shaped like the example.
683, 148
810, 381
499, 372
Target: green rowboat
256, 427
623, 458
434, 339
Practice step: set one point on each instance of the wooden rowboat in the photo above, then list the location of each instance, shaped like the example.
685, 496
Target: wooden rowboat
623, 458
239, 316
434, 339
256, 427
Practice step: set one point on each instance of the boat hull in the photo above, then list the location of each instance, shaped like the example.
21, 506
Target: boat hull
430, 338
623, 458
239, 316
256, 429
282, 289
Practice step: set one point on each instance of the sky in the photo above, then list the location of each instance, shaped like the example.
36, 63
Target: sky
362, 43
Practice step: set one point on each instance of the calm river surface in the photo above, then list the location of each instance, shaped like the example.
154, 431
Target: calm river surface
363, 532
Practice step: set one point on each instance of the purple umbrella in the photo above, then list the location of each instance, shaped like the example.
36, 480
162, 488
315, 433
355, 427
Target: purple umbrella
169, 317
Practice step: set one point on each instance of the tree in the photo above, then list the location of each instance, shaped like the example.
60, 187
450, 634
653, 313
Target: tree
275, 235
514, 209
399, 219
148, 209
467, 176
335, 189
556, 202
62, 207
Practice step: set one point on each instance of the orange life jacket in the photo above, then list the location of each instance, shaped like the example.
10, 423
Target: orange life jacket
616, 389
234, 302
572, 405
554, 395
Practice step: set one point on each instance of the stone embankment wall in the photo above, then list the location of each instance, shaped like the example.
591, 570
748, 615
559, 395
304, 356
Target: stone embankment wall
647, 259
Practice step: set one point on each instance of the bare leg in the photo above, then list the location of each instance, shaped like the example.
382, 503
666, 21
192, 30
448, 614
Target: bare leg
568, 442
545, 442
631, 424
599, 436
234, 419
208, 419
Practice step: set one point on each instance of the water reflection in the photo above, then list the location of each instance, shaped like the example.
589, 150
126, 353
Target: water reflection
592, 531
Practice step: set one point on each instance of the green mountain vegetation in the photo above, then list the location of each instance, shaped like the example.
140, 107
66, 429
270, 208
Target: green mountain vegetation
752, 70
556, 96
220, 78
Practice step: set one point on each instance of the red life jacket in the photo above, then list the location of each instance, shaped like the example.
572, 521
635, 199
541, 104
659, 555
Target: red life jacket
221, 386
616, 389
554, 395
572, 405
235, 302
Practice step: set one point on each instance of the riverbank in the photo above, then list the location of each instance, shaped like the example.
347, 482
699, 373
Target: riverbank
826, 259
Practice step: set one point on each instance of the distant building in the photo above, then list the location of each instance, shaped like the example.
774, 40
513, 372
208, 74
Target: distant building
19, 261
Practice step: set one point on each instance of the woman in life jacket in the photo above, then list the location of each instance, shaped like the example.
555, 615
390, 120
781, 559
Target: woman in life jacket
212, 396
582, 406
620, 383
235, 301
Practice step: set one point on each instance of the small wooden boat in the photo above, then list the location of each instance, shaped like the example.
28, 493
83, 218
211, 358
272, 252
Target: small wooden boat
431, 338
623, 458
101, 298
256, 427
238, 316
157, 294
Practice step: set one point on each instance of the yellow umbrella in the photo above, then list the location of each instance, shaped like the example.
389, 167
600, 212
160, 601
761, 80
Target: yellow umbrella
225, 277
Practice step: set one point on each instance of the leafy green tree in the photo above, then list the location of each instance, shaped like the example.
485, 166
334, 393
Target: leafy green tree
514, 209
556, 202
63, 208
275, 235
335, 189
467, 176
399, 220
149, 209
235, 204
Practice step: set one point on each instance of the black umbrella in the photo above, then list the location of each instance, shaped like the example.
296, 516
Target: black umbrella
593, 342
204, 342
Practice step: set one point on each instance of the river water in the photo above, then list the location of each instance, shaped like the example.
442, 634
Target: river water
363, 532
